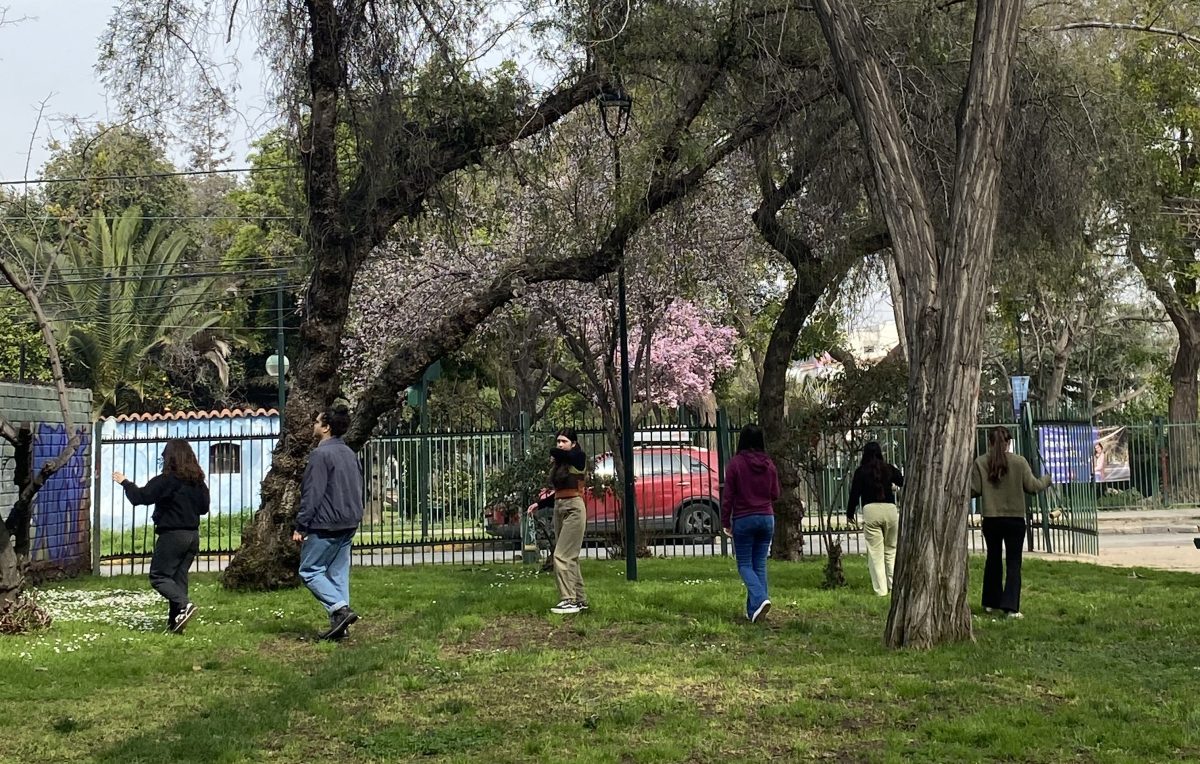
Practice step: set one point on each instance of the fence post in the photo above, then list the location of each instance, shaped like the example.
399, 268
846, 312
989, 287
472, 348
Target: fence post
529, 547
424, 465
722, 455
97, 438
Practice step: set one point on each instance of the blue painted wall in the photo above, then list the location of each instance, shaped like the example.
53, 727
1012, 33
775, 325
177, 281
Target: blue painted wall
135, 448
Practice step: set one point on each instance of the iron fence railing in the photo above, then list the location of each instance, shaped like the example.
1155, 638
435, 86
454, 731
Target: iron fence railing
430, 496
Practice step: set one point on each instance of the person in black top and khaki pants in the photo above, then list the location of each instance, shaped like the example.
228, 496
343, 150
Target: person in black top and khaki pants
180, 497
872, 486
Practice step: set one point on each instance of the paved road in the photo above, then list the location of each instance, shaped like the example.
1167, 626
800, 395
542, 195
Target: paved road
1160, 551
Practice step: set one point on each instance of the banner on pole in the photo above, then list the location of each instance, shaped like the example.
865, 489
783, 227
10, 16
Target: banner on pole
1020, 392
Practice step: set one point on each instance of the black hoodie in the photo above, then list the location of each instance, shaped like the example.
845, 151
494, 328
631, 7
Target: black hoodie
178, 504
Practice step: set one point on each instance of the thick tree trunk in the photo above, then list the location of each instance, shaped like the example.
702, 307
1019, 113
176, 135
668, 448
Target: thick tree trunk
1182, 475
1183, 479
789, 510
268, 558
1185, 393
945, 292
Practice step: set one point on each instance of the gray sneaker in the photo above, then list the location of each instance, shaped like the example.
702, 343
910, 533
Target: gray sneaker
339, 621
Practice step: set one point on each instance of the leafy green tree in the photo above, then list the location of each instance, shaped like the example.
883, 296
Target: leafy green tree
112, 168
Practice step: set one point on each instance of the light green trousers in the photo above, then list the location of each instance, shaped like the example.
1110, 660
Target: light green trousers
881, 527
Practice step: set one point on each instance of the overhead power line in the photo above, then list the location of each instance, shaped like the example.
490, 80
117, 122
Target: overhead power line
174, 174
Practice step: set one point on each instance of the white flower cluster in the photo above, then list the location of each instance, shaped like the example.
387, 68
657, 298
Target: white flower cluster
698, 581
60, 646
514, 574
138, 610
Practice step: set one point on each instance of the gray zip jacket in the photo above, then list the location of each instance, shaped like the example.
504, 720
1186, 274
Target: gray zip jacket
331, 496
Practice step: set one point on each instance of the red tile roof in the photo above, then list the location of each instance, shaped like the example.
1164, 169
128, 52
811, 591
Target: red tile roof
178, 415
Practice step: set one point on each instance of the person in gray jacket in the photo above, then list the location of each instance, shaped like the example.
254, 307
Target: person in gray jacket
331, 508
1001, 479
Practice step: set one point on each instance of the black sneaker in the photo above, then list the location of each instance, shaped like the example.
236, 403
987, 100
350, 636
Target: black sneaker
339, 621
582, 605
182, 618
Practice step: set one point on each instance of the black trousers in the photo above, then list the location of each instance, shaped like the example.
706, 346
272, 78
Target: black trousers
1009, 531
173, 555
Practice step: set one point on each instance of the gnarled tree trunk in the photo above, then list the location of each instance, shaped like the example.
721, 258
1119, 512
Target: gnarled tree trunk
944, 279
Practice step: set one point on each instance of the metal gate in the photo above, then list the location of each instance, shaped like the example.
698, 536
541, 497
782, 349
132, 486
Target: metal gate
1063, 519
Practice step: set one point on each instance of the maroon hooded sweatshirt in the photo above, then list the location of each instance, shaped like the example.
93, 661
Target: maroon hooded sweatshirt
751, 487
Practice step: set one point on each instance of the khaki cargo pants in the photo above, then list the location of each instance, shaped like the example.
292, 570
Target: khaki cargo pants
570, 518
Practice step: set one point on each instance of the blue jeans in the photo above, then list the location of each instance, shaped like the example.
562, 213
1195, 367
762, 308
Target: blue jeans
325, 568
752, 543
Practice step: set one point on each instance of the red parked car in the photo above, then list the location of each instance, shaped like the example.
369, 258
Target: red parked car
676, 490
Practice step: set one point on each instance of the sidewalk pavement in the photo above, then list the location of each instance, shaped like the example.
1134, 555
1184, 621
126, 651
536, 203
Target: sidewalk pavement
1153, 538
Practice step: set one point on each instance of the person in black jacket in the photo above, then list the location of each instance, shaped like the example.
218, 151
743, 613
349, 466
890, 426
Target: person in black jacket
180, 497
872, 487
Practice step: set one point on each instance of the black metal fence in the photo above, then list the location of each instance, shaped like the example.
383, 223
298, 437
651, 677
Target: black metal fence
437, 496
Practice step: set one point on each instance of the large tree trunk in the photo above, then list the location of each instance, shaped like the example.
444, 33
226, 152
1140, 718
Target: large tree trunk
1185, 393
1183, 477
944, 281
268, 558
789, 510
1181, 481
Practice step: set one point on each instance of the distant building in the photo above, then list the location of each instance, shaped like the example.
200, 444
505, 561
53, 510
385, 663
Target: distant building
233, 446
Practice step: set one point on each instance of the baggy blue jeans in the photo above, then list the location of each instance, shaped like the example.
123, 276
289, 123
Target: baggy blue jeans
325, 568
752, 536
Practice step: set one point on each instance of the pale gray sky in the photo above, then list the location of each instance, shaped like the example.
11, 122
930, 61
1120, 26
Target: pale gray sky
51, 56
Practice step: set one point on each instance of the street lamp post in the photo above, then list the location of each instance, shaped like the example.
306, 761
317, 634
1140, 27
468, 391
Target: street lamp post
277, 364
615, 108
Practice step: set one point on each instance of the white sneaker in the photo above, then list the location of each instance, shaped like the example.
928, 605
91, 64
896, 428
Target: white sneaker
763, 609
566, 608
989, 610
1016, 615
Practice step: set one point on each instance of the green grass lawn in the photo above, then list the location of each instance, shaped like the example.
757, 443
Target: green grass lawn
455, 665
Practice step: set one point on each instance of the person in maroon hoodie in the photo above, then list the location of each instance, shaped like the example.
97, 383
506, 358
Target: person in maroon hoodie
748, 515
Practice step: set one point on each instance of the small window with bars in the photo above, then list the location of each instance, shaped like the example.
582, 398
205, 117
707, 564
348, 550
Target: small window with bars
224, 459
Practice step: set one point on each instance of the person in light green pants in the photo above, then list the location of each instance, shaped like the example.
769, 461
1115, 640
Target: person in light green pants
873, 488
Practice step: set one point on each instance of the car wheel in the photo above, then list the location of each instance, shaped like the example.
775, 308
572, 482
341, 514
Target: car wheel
698, 520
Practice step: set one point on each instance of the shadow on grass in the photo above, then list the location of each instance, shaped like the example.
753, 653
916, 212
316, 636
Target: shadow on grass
233, 729
247, 726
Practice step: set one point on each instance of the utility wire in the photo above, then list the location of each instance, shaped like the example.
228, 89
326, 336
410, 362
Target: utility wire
175, 174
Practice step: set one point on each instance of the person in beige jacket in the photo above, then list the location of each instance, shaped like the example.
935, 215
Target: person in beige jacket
1002, 479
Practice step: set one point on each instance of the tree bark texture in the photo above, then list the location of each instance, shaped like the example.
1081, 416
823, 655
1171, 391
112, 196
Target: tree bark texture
1184, 391
944, 281
1182, 480
1183, 477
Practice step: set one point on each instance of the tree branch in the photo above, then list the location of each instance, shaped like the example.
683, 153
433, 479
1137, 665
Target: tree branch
410, 360
1120, 400
1116, 25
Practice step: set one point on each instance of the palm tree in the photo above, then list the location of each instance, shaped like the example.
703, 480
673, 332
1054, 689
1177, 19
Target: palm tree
122, 292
